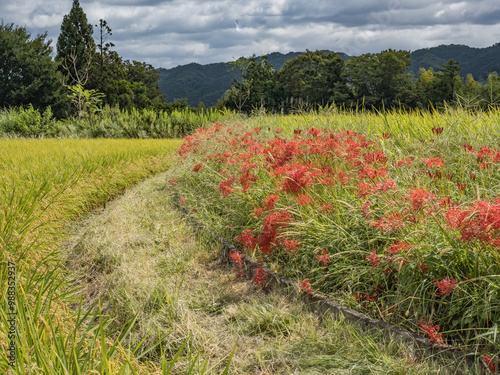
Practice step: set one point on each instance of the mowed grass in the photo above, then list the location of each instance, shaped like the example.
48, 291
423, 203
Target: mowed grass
44, 184
140, 258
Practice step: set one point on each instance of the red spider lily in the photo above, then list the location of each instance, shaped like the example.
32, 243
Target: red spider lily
197, 167
304, 199
398, 246
280, 152
270, 202
236, 257
297, 178
432, 332
364, 189
246, 181
375, 157
373, 173
437, 130
272, 223
386, 135
326, 208
404, 162
472, 176
225, 186
304, 285
247, 239
449, 176
297, 131
373, 258
258, 212
291, 245
324, 258
446, 286
365, 208
485, 151
424, 268
390, 223
314, 132
420, 196
257, 130
434, 162
461, 186
445, 202
260, 276
468, 148
488, 360
479, 221
386, 185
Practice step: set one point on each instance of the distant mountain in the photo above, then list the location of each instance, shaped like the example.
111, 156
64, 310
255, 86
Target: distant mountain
207, 83
480, 62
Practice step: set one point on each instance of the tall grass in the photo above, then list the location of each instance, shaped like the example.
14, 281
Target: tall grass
45, 184
364, 210
108, 123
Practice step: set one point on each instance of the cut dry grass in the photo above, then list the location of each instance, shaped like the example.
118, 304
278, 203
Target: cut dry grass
140, 259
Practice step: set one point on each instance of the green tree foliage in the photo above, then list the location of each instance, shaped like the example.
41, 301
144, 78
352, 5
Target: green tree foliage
379, 79
314, 78
27, 73
75, 41
125, 84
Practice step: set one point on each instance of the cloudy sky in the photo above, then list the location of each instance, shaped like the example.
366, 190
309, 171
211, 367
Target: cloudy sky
167, 33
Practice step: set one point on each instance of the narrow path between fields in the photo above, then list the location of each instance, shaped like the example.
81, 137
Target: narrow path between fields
139, 257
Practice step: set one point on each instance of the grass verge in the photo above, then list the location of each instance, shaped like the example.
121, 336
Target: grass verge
140, 259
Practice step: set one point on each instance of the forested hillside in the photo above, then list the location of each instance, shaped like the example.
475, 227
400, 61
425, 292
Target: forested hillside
207, 83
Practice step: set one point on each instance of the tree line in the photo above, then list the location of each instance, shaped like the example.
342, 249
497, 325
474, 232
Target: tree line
320, 79
84, 75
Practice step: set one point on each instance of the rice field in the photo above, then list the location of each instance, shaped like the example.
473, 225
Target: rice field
44, 184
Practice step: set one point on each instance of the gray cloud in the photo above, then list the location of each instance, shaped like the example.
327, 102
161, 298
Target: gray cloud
166, 33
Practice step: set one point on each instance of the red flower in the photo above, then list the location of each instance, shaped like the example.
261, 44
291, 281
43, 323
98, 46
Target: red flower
373, 258
304, 285
446, 286
423, 267
197, 167
260, 276
324, 259
304, 199
236, 257
270, 202
398, 246
434, 162
225, 186
420, 196
437, 130
432, 332
291, 245
326, 208
247, 239
489, 362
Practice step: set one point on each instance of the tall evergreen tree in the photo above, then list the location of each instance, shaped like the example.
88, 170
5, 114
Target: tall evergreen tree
75, 45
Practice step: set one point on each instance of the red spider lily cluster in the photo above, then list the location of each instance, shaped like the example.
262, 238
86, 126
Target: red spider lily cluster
318, 174
304, 285
432, 332
259, 277
446, 286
